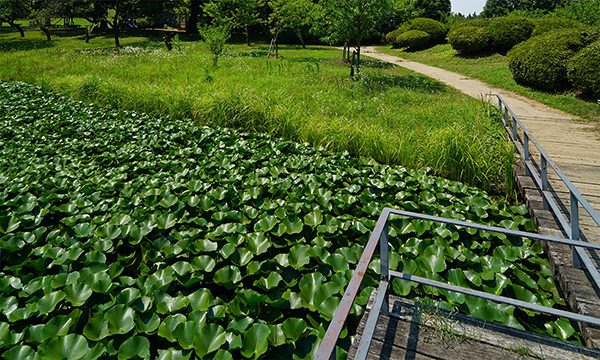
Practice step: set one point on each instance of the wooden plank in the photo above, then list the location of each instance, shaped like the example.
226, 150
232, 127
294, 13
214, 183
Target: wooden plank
405, 336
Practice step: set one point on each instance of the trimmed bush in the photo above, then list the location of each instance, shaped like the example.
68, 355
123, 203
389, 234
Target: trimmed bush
479, 23
413, 40
506, 32
541, 61
435, 29
543, 26
469, 39
584, 70
390, 38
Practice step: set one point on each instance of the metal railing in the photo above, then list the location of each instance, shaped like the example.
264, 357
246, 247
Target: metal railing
570, 226
379, 236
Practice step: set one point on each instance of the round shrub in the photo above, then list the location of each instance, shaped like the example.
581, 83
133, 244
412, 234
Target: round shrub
543, 26
541, 61
469, 39
390, 37
480, 23
506, 32
413, 40
435, 29
584, 70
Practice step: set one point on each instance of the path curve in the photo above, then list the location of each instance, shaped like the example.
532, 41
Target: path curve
572, 143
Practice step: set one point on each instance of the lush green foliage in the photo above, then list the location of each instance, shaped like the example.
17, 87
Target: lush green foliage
436, 29
542, 61
584, 70
469, 39
585, 11
506, 32
214, 40
390, 37
545, 25
306, 96
413, 40
130, 235
433, 9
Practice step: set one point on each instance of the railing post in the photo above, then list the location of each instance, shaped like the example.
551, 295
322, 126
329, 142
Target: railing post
526, 151
384, 263
499, 103
575, 229
514, 123
506, 116
544, 168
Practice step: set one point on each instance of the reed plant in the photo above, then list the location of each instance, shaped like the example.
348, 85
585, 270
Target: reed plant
388, 113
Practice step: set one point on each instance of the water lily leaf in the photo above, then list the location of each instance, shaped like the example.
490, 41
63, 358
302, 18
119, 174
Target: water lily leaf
83, 230
108, 232
266, 224
298, 256
201, 300
293, 227
223, 354
9, 224
473, 277
166, 221
203, 263
238, 326
49, 301
166, 304
434, 259
563, 328
328, 307
128, 296
314, 218
227, 276
70, 347
168, 326
146, 323
208, 339
338, 262
96, 328
185, 332
168, 201
120, 319
293, 328
20, 352
255, 341
276, 336
57, 326
174, 354
241, 257
257, 243
269, 282
525, 295
136, 346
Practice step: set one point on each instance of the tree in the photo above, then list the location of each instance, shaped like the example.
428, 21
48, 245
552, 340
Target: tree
290, 14
236, 14
434, 9
10, 12
351, 21
494, 8
214, 40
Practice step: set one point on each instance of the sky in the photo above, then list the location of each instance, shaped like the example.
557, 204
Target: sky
466, 7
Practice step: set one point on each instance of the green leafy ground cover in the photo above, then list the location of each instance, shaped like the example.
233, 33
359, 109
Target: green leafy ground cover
129, 235
493, 69
390, 114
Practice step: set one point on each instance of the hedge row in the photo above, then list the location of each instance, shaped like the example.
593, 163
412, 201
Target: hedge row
417, 34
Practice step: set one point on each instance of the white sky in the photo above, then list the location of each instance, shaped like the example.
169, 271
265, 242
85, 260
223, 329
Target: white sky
466, 7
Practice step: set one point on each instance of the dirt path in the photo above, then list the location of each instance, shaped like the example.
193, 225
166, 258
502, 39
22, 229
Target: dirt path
573, 144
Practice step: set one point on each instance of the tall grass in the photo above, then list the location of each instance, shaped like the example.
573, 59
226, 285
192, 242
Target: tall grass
388, 113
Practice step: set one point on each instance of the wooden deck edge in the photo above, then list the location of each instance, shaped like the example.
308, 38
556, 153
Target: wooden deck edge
496, 340
580, 295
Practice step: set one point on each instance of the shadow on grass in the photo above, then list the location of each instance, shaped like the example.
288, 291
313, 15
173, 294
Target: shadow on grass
25, 44
475, 56
411, 82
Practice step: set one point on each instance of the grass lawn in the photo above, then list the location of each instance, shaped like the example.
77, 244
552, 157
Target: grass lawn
493, 69
388, 113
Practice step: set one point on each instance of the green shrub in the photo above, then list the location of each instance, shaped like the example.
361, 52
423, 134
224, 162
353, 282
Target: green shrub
541, 61
545, 25
469, 39
435, 29
480, 23
506, 32
390, 37
413, 40
584, 70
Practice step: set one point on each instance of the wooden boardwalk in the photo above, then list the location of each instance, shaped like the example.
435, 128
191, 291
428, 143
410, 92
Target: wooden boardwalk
414, 333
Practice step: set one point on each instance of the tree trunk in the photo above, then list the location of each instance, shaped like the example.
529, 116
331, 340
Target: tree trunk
87, 35
299, 33
344, 51
116, 25
191, 26
43, 28
358, 57
18, 27
247, 35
